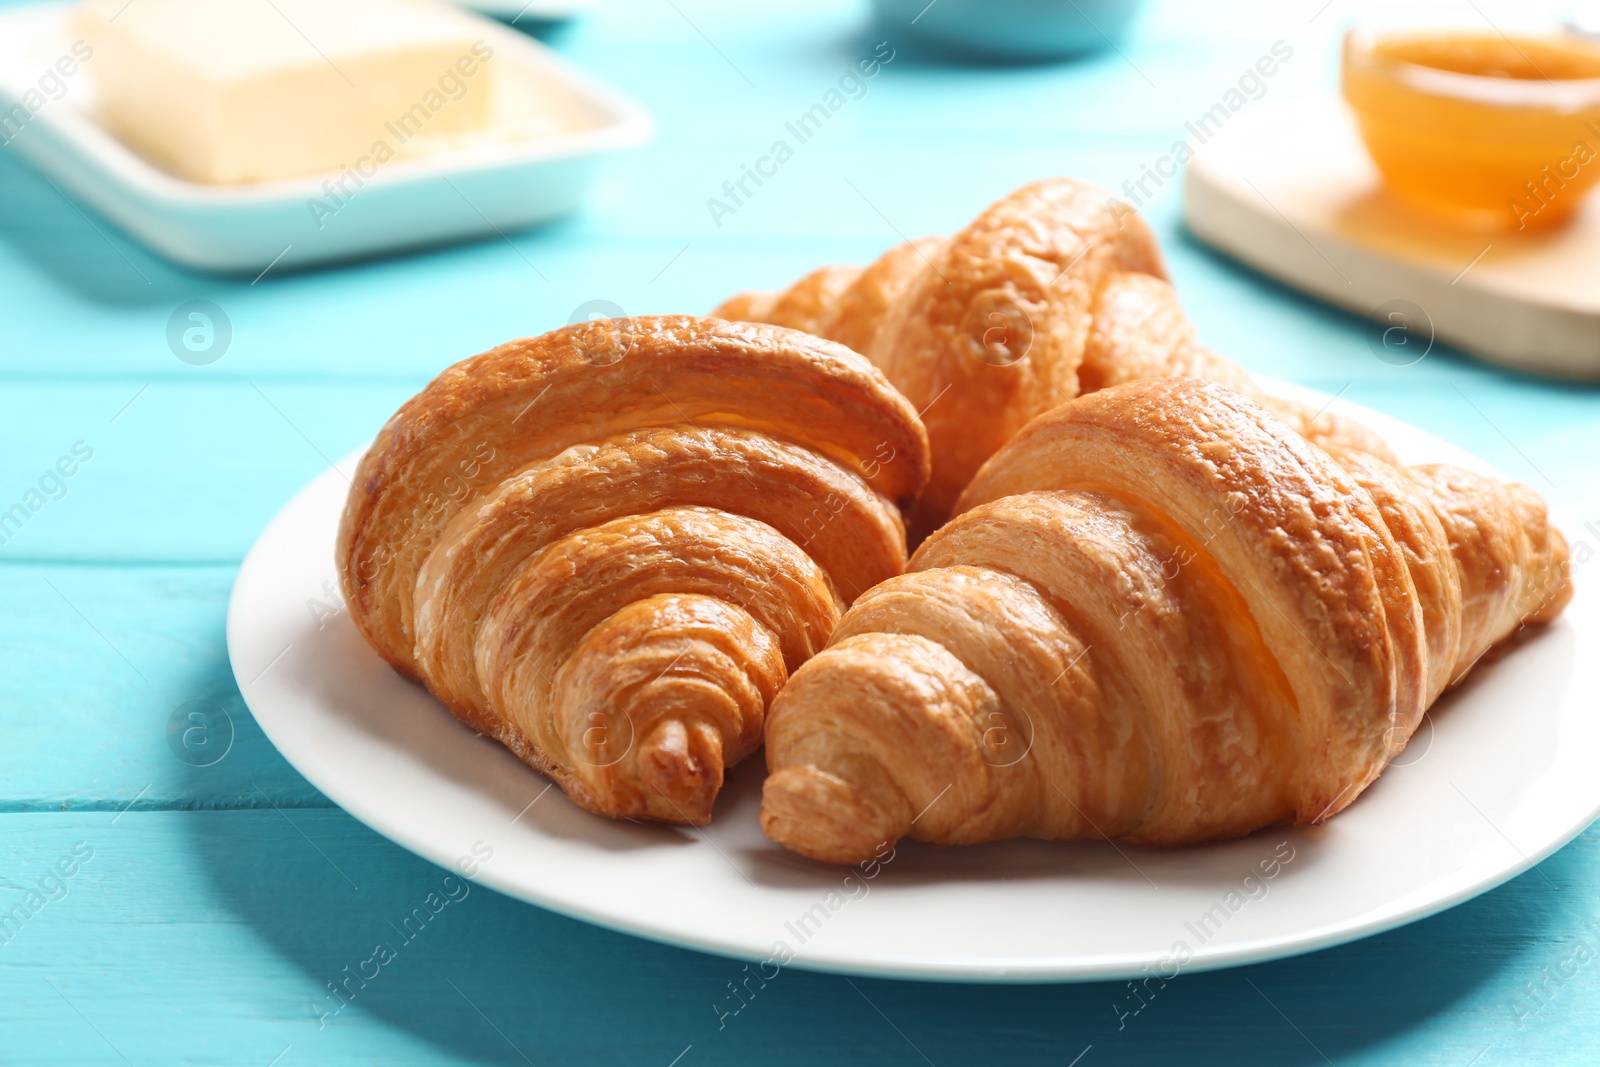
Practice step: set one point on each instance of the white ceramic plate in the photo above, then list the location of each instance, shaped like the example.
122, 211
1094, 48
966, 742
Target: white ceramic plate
1500, 776
469, 186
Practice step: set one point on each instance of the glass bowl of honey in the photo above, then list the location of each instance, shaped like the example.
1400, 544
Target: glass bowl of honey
1479, 130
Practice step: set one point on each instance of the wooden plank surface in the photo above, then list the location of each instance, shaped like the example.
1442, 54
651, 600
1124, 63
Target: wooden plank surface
211, 937
106, 669
222, 895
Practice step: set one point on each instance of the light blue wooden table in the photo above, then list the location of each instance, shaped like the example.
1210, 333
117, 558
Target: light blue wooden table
209, 908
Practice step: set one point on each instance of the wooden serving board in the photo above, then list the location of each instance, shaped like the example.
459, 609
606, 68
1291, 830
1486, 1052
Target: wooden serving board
1291, 192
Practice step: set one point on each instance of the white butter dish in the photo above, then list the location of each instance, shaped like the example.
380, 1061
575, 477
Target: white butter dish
555, 125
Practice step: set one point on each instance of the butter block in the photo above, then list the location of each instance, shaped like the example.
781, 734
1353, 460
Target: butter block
236, 91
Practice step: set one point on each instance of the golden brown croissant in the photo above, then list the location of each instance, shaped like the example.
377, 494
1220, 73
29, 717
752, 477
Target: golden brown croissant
1055, 290
608, 546
1162, 616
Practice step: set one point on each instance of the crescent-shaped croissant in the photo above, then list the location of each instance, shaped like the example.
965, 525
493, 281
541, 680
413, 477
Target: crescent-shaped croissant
610, 545
1054, 291
1162, 616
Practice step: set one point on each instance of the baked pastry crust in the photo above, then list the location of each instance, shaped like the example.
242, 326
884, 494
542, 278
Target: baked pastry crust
1161, 615
608, 546
1053, 291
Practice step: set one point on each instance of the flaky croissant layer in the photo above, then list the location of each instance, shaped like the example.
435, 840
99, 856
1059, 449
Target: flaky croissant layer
1161, 615
1055, 290
609, 546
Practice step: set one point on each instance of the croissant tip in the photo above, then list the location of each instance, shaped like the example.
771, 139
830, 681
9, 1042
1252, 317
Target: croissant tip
820, 815
681, 771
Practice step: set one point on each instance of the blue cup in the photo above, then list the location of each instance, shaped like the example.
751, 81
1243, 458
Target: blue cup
1027, 30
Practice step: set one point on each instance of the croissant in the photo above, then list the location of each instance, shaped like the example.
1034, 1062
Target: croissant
610, 545
1055, 290
1161, 616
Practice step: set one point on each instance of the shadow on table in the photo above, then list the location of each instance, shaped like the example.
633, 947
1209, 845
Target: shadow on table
495, 981
77, 248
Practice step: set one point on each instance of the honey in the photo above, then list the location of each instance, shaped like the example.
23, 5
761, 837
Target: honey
1480, 131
